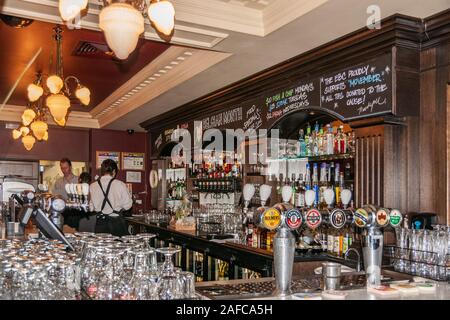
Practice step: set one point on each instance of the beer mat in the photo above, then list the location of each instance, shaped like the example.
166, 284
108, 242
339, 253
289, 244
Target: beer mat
307, 296
406, 288
334, 294
426, 287
383, 290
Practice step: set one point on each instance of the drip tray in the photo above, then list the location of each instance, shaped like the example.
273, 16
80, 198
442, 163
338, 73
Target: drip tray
248, 289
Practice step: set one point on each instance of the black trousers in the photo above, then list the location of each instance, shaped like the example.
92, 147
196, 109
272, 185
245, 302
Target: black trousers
116, 226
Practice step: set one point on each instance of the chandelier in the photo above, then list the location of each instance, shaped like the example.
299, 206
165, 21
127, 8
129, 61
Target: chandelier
49, 100
122, 21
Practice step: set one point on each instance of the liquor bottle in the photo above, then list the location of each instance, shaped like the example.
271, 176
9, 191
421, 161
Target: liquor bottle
315, 183
315, 144
322, 185
348, 171
330, 240
307, 148
301, 144
331, 175
337, 144
320, 141
279, 184
337, 188
337, 236
255, 237
308, 177
294, 190
343, 141
301, 192
324, 237
330, 140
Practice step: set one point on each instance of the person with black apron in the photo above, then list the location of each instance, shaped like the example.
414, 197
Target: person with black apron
111, 201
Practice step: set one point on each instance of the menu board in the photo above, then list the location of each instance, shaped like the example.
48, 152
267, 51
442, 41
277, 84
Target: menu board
300, 96
103, 155
133, 161
359, 91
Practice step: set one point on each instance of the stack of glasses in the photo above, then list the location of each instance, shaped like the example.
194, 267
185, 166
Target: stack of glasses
103, 267
423, 252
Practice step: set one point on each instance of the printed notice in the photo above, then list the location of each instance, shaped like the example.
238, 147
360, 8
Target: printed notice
133, 161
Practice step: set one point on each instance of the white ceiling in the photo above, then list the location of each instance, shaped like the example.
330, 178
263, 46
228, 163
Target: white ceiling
252, 54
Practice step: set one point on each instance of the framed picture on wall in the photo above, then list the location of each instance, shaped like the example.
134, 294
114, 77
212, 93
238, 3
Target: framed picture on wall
133, 161
103, 155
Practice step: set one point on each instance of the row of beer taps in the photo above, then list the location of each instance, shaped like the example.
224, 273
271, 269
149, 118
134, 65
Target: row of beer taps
78, 196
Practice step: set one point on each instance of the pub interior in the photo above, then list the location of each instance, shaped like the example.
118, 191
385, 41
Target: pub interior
225, 150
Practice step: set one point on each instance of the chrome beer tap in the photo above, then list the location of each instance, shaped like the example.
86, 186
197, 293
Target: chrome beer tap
373, 220
284, 219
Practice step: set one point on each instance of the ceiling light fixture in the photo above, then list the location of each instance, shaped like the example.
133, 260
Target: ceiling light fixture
69, 9
56, 97
122, 21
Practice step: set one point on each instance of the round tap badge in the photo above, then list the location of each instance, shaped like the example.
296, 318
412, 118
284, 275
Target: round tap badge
361, 218
338, 218
294, 219
395, 218
382, 217
271, 219
313, 218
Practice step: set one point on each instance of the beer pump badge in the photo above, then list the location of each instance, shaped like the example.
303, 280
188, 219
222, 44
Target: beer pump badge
395, 218
294, 219
361, 218
313, 218
271, 219
382, 217
338, 219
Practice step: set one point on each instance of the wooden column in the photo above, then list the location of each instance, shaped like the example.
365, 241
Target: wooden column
448, 153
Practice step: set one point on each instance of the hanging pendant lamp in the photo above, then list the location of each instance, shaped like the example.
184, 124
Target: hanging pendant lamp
122, 25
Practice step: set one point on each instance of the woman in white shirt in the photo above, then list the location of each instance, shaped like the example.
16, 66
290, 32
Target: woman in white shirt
110, 199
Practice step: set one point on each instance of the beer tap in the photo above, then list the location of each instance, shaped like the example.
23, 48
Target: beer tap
372, 221
264, 193
69, 195
248, 193
85, 194
313, 217
284, 219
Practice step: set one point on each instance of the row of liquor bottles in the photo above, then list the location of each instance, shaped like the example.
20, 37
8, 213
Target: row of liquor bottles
216, 170
331, 177
327, 240
326, 140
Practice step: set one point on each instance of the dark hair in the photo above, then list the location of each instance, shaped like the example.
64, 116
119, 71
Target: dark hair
85, 177
108, 167
66, 160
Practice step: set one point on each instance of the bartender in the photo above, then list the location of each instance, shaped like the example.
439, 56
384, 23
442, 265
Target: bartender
68, 177
111, 200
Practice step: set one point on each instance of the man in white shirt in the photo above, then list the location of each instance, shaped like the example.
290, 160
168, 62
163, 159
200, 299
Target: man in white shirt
109, 199
68, 177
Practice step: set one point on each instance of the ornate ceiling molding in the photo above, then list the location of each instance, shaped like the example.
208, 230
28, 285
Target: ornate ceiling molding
76, 119
175, 66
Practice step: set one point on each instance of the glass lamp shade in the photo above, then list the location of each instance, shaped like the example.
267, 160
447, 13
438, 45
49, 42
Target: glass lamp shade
54, 84
45, 137
69, 9
28, 116
122, 25
39, 129
162, 15
61, 122
24, 131
16, 134
28, 142
58, 105
34, 92
84, 95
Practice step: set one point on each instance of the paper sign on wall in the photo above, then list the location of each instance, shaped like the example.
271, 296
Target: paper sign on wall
134, 177
133, 161
103, 155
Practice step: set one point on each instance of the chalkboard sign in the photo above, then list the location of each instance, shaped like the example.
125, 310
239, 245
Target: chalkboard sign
359, 91
301, 96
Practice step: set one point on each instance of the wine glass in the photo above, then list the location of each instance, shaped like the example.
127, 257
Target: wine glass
168, 285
